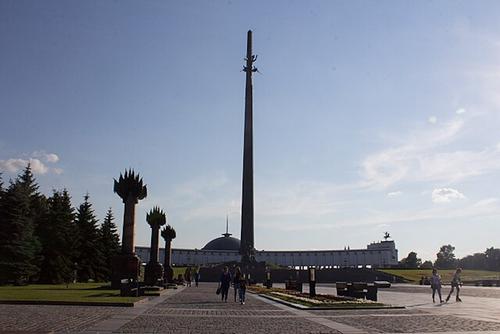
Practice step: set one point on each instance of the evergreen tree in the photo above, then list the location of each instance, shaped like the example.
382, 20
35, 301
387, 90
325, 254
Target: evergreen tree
110, 242
90, 263
37, 212
57, 234
2, 194
19, 247
1, 187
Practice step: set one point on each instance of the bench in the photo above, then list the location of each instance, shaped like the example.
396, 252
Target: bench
341, 288
293, 285
128, 288
360, 290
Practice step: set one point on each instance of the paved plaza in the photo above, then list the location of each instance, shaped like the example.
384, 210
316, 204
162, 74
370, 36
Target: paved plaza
198, 310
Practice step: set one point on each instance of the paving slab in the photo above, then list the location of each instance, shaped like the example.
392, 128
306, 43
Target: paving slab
113, 323
51, 318
200, 310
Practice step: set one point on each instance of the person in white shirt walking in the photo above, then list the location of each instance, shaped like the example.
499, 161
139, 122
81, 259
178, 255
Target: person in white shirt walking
436, 285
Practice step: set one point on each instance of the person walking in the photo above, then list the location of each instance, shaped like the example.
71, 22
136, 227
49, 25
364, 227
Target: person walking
236, 281
197, 276
224, 283
456, 282
436, 285
187, 276
242, 288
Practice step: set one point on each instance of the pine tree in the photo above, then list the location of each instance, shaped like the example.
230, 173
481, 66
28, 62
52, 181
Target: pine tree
57, 234
19, 247
2, 195
90, 261
110, 242
1, 188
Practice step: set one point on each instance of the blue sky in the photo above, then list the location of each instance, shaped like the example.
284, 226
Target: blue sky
369, 116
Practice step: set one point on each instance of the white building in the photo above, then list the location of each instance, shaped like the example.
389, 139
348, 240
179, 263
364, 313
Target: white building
226, 249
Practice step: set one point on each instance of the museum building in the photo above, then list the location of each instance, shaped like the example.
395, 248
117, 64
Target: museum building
227, 249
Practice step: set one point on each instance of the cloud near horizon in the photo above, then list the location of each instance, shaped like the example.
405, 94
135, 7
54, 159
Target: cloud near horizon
38, 161
426, 156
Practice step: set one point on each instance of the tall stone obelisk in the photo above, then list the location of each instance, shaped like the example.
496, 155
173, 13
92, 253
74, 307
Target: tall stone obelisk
247, 234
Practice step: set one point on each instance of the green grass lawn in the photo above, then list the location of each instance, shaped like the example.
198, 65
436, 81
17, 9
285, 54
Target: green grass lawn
180, 270
414, 275
78, 292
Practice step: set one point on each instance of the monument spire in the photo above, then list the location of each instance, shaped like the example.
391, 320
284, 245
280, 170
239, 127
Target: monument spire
247, 231
227, 234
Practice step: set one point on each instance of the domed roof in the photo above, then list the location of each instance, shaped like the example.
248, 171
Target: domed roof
223, 243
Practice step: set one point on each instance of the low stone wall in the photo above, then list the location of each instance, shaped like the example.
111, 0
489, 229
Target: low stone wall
322, 276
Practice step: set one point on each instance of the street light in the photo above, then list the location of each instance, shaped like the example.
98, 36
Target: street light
312, 281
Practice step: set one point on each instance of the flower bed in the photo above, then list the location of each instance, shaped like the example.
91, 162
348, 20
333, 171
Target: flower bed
320, 300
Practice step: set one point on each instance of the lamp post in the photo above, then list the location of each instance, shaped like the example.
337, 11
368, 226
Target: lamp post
312, 281
269, 283
75, 272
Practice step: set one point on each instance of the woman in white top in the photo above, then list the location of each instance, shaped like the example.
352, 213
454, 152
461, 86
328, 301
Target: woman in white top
436, 285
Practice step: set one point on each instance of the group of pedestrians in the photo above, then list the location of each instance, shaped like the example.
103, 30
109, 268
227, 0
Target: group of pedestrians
436, 283
188, 276
238, 279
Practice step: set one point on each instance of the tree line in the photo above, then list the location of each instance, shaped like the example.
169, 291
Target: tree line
45, 240
445, 259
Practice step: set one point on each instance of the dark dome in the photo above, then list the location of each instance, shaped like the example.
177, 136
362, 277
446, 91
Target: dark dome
223, 243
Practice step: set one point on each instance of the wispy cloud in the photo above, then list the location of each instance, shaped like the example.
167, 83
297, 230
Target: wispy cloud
446, 195
305, 198
38, 161
426, 156
391, 165
215, 196
47, 157
488, 207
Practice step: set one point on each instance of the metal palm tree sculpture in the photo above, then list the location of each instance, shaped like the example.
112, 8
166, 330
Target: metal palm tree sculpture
168, 233
131, 189
154, 270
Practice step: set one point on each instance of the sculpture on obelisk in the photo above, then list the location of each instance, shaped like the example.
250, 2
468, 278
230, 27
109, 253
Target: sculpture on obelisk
247, 250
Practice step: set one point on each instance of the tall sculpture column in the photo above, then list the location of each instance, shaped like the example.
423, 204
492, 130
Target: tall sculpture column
130, 188
154, 269
168, 233
247, 230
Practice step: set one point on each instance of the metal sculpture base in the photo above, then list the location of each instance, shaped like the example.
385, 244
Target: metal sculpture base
153, 274
124, 267
168, 275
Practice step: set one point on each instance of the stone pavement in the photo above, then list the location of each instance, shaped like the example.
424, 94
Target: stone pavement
199, 310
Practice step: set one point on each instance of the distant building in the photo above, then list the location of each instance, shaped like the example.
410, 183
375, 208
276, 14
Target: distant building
226, 248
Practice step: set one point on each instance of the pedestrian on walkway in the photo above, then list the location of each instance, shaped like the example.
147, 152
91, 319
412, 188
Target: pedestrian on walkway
224, 283
197, 276
187, 276
236, 281
242, 288
456, 282
436, 285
